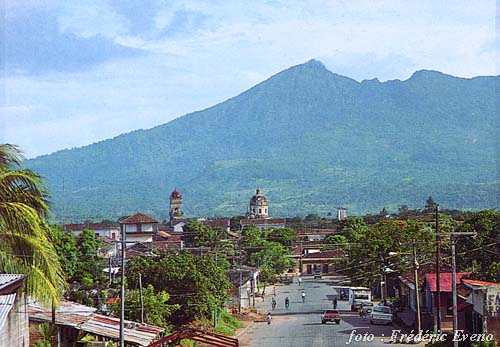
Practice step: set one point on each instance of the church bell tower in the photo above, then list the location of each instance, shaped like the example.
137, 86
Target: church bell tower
175, 205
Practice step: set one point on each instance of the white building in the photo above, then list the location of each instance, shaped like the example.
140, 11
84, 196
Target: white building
138, 228
259, 206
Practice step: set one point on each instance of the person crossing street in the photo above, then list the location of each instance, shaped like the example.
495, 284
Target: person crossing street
303, 296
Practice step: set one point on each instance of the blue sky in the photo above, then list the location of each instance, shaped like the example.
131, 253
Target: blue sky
76, 72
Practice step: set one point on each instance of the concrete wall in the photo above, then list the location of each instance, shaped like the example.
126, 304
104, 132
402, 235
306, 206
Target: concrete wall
15, 331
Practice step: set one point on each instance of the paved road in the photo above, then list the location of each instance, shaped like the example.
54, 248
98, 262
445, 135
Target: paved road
301, 324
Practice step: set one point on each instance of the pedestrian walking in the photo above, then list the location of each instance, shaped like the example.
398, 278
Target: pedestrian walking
303, 296
273, 303
335, 302
268, 318
287, 302
300, 281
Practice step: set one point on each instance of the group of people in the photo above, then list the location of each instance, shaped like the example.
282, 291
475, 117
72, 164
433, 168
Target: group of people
287, 302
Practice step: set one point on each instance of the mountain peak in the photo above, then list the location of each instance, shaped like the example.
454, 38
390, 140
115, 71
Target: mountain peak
316, 64
310, 65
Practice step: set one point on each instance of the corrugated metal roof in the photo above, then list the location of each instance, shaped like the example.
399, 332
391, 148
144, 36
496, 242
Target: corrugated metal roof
6, 304
84, 318
141, 334
8, 279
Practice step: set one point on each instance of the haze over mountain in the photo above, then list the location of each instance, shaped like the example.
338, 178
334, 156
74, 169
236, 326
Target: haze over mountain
311, 139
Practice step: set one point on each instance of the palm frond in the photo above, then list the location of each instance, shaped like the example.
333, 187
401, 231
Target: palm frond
23, 186
24, 243
10, 155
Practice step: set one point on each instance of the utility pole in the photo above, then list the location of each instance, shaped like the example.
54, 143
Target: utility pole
142, 299
109, 269
382, 282
454, 280
454, 289
122, 291
241, 275
417, 294
438, 284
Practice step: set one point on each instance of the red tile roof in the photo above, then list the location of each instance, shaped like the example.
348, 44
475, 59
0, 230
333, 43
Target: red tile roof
138, 218
444, 280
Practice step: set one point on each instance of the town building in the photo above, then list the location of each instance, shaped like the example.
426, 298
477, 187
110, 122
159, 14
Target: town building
341, 213
175, 206
259, 206
138, 228
107, 229
429, 303
14, 328
312, 261
485, 300
244, 282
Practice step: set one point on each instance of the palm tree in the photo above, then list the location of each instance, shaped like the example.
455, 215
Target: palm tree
24, 244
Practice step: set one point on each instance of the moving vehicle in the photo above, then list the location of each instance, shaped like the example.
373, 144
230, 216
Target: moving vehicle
367, 307
330, 316
359, 296
381, 315
317, 274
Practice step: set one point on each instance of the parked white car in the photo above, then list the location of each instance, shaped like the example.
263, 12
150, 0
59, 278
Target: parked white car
381, 315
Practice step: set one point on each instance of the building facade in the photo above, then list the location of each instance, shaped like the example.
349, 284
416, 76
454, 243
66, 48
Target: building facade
259, 206
14, 329
175, 205
138, 228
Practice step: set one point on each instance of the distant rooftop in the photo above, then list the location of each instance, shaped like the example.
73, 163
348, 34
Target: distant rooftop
137, 219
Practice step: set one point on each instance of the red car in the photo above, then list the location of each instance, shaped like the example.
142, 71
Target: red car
330, 316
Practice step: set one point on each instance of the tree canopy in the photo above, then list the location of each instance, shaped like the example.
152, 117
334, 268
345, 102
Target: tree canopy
196, 283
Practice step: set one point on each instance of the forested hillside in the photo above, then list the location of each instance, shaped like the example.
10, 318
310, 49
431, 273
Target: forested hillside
311, 139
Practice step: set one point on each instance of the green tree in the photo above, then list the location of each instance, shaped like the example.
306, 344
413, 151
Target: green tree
371, 249
157, 310
90, 265
480, 254
198, 284
284, 236
24, 243
338, 240
67, 251
273, 259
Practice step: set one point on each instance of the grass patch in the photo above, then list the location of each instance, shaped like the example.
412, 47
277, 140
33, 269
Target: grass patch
227, 324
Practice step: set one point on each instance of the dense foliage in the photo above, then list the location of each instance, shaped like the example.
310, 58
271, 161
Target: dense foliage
271, 257
382, 247
312, 139
197, 284
79, 255
480, 254
157, 310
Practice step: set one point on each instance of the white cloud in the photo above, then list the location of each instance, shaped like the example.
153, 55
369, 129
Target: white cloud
234, 46
88, 19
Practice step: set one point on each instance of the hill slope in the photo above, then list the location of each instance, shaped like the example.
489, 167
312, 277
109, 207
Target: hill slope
311, 139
